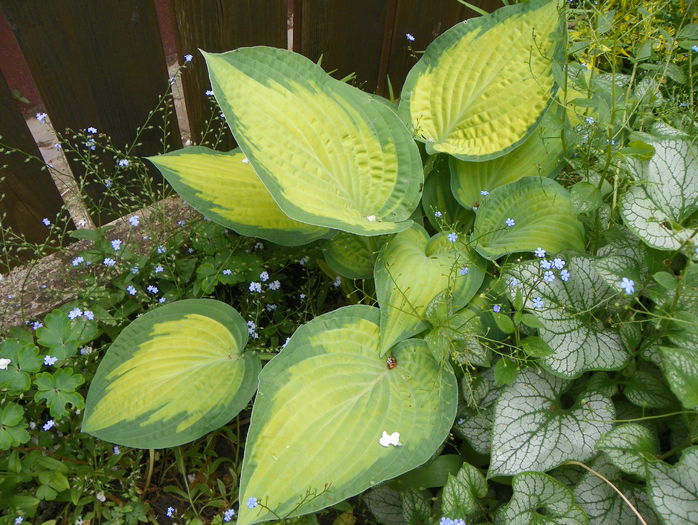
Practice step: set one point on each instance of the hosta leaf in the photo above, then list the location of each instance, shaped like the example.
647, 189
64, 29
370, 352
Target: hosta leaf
532, 431
659, 208
603, 505
542, 215
481, 87
323, 405
225, 188
539, 498
411, 271
674, 489
630, 447
571, 327
172, 375
353, 256
462, 492
329, 154
539, 155
438, 202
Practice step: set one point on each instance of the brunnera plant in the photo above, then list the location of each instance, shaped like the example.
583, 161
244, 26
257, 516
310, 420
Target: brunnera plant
366, 393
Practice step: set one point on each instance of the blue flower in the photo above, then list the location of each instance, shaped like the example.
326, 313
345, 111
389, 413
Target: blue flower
116, 244
464, 271
549, 276
117, 450
161, 249
251, 503
336, 283
152, 289
108, 183
50, 360
409, 37
484, 193
162, 300
134, 270
546, 264
77, 261
539, 252
255, 287
188, 58
452, 237
108, 261
590, 121
510, 222
134, 221
159, 269
49, 425
496, 308
228, 515
123, 163
227, 271
558, 263
513, 282
41, 117
565, 275
89, 314
628, 285
92, 130
131, 290
208, 92
693, 48
438, 214
46, 221
538, 302
264, 277
170, 512
74, 313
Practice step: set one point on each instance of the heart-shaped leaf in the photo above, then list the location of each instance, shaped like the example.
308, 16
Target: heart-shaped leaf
24, 358
659, 208
225, 188
533, 212
475, 422
630, 447
412, 270
539, 498
532, 431
680, 367
539, 155
674, 489
567, 310
481, 87
353, 256
329, 154
463, 492
330, 399
172, 375
603, 505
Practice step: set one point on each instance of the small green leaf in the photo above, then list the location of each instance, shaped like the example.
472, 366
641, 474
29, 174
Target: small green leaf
532, 431
666, 280
532, 321
646, 388
542, 216
58, 389
12, 426
505, 372
585, 197
504, 322
462, 493
24, 358
539, 498
674, 489
631, 447
62, 336
536, 347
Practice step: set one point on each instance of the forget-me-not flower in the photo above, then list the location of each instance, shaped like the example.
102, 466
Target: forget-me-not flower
628, 285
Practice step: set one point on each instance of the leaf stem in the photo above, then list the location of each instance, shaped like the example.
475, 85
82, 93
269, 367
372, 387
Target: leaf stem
601, 477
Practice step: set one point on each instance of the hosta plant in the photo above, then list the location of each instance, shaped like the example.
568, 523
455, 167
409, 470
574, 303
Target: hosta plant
492, 316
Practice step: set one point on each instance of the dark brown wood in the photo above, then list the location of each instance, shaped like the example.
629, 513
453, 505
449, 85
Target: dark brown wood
425, 21
348, 34
97, 63
217, 26
28, 192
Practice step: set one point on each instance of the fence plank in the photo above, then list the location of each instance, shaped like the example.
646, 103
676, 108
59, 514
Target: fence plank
96, 64
29, 192
217, 26
348, 34
425, 21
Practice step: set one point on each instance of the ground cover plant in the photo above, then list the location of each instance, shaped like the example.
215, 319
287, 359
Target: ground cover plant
517, 337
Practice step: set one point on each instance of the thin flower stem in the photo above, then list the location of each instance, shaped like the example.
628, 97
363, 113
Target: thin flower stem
598, 475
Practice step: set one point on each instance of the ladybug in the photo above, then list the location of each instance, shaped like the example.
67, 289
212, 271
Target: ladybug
391, 362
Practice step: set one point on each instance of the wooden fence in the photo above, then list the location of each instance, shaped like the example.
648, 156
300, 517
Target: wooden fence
103, 63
